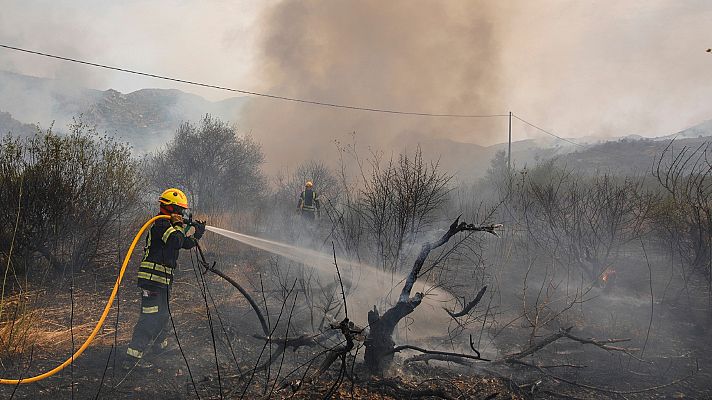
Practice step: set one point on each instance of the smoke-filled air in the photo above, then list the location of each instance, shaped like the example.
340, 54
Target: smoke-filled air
356, 199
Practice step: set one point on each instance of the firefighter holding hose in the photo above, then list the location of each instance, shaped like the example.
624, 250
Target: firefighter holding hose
155, 274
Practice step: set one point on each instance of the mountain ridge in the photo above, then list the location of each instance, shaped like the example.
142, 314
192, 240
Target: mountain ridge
147, 118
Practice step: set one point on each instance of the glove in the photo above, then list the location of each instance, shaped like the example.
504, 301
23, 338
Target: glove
176, 220
199, 229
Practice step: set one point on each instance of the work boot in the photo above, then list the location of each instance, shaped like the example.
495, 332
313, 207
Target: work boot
163, 347
130, 363
134, 359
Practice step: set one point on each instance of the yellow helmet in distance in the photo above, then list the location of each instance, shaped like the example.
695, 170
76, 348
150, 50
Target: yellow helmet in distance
173, 196
309, 184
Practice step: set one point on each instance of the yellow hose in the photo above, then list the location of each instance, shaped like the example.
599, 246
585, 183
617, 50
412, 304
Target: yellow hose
101, 320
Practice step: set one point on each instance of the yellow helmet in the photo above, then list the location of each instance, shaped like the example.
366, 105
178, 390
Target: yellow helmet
309, 184
173, 196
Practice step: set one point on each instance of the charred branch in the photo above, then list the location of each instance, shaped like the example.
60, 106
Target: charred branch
469, 305
437, 357
379, 344
454, 229
294, 342
351, 334
435, 352
537, 346
564, 365
604, 344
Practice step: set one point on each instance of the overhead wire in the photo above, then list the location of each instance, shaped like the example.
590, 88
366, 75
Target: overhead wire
253, 93
545, 131
285, 98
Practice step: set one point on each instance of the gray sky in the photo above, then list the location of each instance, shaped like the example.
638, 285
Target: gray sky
209, 40
578, 68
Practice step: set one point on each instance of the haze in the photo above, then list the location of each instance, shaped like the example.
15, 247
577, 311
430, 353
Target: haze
575, 68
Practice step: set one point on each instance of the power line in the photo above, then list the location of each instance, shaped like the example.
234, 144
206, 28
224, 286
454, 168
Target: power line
252, 93
547, 132
283, 98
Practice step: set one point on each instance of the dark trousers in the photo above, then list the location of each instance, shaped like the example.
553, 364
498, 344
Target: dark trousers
152, 325
309, 215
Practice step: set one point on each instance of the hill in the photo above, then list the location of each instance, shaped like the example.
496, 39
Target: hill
145, 118
8, 124
629, 157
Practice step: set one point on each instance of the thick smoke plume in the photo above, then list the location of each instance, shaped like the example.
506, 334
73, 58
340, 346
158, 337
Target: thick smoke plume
421, 56
578, 69
574, 68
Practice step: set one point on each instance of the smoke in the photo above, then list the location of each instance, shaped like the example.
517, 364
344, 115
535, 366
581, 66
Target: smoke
573, 68
212, 41
428, 56
634, 67
577, 69
368, 284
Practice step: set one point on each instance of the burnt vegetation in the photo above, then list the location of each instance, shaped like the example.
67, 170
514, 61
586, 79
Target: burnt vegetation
537, 282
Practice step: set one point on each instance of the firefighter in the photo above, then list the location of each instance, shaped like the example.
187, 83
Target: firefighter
308, 205
155, 275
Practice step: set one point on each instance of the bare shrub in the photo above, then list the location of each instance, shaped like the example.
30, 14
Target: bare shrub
395, 203
581, 220
218, 168
684, 217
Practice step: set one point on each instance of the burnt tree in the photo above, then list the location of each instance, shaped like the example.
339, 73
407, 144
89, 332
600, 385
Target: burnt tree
684, 217
379, 344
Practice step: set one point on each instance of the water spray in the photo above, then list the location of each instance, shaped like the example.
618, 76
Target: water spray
362, 300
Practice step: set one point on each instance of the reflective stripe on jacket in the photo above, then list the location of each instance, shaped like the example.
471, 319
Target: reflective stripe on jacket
308, 200
160, 255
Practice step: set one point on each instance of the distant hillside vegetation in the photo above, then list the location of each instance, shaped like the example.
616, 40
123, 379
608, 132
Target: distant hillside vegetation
8, 124
148, 118
145, 118
624, 156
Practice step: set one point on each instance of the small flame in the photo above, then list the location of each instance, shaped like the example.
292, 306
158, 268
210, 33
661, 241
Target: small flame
607, 273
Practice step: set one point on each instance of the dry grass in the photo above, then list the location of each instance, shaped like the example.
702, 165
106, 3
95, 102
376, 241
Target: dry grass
27, 323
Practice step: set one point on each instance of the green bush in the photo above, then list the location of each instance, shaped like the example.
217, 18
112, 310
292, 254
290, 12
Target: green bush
67, 195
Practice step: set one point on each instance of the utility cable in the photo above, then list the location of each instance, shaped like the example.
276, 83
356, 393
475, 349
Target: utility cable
547, 132
253, 93
99, 323
283, 98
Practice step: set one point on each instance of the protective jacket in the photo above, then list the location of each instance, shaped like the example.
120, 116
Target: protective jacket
308, 201
160, 256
